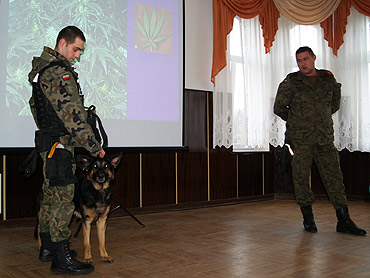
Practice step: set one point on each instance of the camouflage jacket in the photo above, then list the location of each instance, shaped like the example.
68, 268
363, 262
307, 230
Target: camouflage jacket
308, 109
62, 91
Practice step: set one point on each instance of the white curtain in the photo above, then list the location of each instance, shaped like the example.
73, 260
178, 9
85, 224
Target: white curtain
245, 90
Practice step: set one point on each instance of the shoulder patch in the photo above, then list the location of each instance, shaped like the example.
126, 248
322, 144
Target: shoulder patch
66, 77
328, 73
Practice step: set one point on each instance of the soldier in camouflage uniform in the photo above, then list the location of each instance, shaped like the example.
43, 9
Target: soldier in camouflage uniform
306, 100
61, 118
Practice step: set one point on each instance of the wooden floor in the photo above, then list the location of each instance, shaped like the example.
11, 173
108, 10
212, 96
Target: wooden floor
261, 239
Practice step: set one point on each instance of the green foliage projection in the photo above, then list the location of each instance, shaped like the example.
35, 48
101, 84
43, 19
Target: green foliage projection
102, 71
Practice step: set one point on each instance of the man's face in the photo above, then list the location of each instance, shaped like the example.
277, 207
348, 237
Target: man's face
71, 51
306, 63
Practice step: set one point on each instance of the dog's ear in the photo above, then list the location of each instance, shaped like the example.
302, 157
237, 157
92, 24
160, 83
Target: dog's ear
83, 162
116, 159
86, 161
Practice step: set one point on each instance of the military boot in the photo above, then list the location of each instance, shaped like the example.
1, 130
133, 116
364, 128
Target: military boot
308, 220
46, 252
65, 263
346, 225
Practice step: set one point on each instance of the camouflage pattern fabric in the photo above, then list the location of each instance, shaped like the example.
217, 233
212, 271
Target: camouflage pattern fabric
61, 89
56, 207
307, 109
326, 158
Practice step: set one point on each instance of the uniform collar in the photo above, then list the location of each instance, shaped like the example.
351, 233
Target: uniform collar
304, 79
50, 54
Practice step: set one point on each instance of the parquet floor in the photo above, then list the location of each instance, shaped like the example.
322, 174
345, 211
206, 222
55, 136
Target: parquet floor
261, 239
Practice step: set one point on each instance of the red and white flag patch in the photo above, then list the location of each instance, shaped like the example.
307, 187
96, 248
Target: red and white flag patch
66, 77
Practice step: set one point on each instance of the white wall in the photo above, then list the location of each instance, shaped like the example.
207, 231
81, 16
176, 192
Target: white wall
198, 44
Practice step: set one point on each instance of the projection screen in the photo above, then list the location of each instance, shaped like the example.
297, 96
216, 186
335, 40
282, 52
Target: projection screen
131, 69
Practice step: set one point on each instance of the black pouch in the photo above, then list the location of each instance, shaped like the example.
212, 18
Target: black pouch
59, 168
43, 140
284, 160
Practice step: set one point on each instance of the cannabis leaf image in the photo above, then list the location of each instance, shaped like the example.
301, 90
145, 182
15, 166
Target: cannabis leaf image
151, 29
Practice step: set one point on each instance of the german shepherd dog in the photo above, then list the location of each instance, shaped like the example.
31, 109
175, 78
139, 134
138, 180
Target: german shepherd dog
93, 195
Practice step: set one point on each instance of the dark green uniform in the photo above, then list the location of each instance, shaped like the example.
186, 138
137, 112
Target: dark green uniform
61, 90
307, 104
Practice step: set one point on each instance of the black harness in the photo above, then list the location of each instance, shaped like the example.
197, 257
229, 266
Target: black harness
47, 118
51, 128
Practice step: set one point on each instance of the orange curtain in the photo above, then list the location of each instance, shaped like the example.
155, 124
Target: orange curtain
269, 22
335, 26
224, 12
362, 6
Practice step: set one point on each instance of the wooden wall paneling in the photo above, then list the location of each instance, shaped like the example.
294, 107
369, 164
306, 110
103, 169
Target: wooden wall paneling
195, 120
223, 177
21, 192
158, 179
192, 166
250, 179
356, 173
126, 188
192, 177
269, 172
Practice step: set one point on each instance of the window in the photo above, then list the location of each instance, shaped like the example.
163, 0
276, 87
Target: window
252, 77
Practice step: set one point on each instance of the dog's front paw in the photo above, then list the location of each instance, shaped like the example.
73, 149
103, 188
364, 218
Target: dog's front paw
107, 259
88, 260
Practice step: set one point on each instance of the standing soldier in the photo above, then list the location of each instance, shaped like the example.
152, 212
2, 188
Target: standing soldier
306, 100
60, 116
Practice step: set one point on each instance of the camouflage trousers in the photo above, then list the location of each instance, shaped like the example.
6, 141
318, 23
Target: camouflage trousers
57, 206
326, 158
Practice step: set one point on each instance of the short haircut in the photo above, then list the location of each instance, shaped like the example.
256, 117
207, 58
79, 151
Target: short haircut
304, 49
70, 33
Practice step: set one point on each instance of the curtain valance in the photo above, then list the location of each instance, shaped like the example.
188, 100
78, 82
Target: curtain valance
307, 12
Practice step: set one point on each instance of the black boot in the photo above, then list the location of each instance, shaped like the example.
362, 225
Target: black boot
346, 225
308, 220
64, 263
46, 252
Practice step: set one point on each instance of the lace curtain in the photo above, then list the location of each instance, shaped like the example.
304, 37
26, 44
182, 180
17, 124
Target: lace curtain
245, 89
